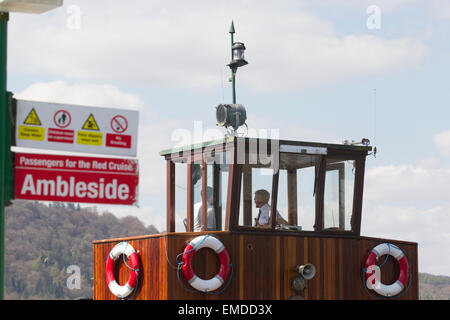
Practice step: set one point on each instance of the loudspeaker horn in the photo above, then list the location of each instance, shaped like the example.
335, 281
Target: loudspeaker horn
308, 271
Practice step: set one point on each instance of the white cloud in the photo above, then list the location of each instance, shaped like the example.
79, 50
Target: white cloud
415, 183
441, 9
442, 142
90, 94
428, 227
187, 45
385, 5
310, 60
411, 202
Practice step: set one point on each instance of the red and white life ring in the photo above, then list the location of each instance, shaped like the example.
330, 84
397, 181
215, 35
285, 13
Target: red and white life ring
224, 259
374, 282
114, 254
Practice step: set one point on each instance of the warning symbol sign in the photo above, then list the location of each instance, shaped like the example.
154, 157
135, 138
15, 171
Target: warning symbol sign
62, 118
32, 118
119, 124
90, 124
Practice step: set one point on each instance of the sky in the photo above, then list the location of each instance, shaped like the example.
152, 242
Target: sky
323, 71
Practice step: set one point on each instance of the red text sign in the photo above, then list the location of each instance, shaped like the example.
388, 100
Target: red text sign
76, 179
60, 135
118, 140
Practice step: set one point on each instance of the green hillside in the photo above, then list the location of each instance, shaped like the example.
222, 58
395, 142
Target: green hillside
433, 287
42, 242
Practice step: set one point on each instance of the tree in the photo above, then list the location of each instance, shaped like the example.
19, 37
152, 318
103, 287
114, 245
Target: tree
42, 241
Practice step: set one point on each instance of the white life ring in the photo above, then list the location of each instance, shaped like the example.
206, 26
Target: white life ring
371, 267
119, 249
224, 259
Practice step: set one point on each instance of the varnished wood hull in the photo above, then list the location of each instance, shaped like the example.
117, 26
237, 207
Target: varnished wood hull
262, 266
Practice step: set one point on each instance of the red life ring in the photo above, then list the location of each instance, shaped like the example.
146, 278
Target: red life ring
128, 288
373, 281
224, 259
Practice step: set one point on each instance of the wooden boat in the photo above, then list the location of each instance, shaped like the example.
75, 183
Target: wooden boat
318, 253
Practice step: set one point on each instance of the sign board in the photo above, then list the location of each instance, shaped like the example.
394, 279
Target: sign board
76, 179
76, 128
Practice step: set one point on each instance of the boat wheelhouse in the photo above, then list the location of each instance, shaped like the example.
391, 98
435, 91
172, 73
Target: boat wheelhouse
211, 249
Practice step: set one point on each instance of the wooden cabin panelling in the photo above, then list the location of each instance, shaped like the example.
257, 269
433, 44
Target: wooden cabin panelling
262, 265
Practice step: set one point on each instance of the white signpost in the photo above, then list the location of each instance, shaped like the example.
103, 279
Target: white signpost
74, 128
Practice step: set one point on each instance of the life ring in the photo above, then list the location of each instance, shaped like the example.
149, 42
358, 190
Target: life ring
375, 283
224, 259
119, 249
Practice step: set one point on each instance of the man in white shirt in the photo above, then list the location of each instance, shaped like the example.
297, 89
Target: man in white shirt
210, 213
262, 198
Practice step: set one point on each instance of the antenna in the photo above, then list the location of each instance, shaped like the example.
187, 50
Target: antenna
375, 122
221, 79
374, 115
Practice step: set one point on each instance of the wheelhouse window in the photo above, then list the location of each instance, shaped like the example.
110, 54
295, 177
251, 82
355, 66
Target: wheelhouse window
189, 172
285, 180
209, 173
295, 194
338, 194
298, 188
311, 190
